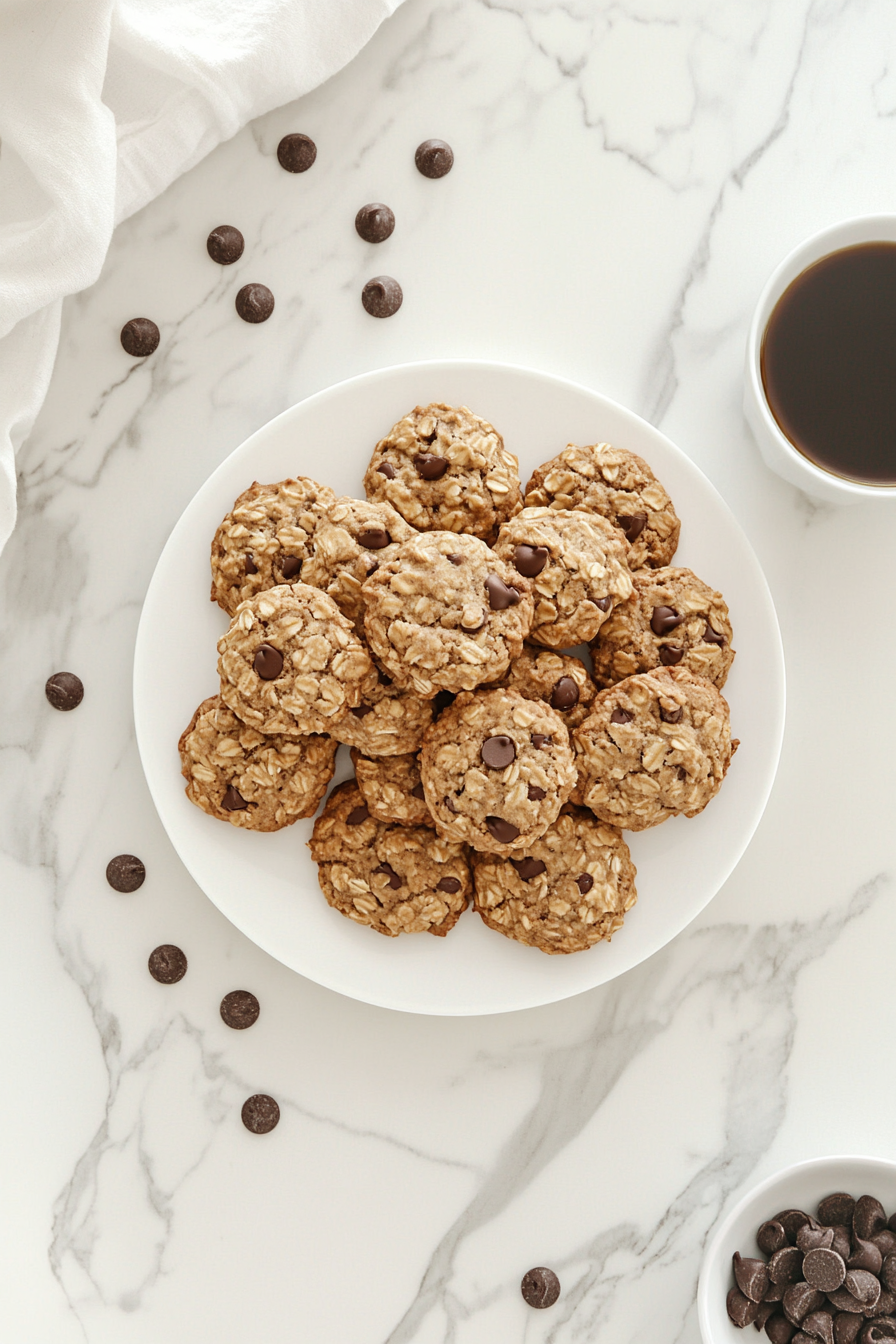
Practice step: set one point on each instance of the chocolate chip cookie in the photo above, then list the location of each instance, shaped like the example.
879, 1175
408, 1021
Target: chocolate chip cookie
351, 542
496, 770
266, 538
578, 568
290, 662
443, 468
391, 788
672, 619
619, 486
396, 879
446, 613
259, 781
389, 721
655, 746
570, 890
561, 681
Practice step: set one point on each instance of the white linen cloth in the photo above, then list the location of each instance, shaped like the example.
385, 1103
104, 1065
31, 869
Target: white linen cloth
103, 103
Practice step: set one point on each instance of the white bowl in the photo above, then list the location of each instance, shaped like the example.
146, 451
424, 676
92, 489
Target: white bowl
801, 1186
774, 445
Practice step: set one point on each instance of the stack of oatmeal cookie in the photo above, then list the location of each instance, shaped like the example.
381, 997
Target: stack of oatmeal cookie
429, 628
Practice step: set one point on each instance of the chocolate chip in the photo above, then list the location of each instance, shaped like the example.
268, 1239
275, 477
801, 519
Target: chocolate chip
140, 337
864, 1287
740, 1309
430, 466
824, 1269
167, 964
233, 800
865, 1255
449, 884
604, 603
774, 1292
225, 244
249, 565
584, 882
535, 794
386, 469
455, 559
418, 792
260, 1114
386, 870
664, 619
357, 815
565, 694
868, 1217
620, 715
542, 740
792, 1220
750, 1275
779, 1329
888, 1273
373, 538
528, 868
530, 560
290, 566
254, 303
632, 525
891, 1222
268, 662
434, 158
786, 1265
540, 1287
879, 1331
240, 1009
674, 716
500, 595
810, 1236
64, 690
125, 873
765, 1310
670, 654
296, 152
382, 296
771, 1237
498, 752
503, 831
847, 1325
711, 637
819, 1325
799, 1300
374, 222
842, 1300
842, 1242
885, 1241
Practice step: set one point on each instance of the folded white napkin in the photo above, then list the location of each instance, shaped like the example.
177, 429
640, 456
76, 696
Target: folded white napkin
103, 103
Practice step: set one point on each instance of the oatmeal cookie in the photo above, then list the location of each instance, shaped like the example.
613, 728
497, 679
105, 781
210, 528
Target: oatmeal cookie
354, 539
578, 568
290, 663
391, 788
620, 487
571, 890
496, 770
446, 613
389, 721
259, 781
266, 538
655, 746
561, 681
397, 879
673, 619
445, 469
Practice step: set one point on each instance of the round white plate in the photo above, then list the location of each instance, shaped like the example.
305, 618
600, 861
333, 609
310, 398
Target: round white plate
267, 884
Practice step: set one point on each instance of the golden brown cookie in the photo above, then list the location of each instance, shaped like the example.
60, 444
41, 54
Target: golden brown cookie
389, 721
557, 679
259, 781
570, 890
396, 879
353, 539
391, 788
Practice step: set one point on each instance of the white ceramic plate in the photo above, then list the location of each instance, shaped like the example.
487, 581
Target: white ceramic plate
267, 884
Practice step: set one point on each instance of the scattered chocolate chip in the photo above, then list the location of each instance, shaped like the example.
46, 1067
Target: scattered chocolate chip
455, 559
357, 815
249, 565
868, 1217
361, 711
664, 619
535, 794
711, 637
584, 882
240, 1009
751, 1276
541, 740
260, 1114
674, 716
233, 800
792, 1220
296, 152
888, 1273
430, 466
632, 525
225, 244
528, 868
374, 222
865, 1255
386, 870
449, 884
823, 1269
740, 1309
503, 831
418, 792
819, 1325
540, 1287
434, 158
799, 1300
386, 469
125, 873
140, 337
620, 715
64, 690
290, 566
373, 538
382, 296
530, 560
167, 964
500, 595
604, 603
268, 662
779, 1329
847, 1325
498, 752
810, 1236
670, 654
254, 303
565, 694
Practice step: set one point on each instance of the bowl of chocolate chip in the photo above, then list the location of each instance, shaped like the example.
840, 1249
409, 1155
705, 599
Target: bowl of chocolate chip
820, 375
807, 1257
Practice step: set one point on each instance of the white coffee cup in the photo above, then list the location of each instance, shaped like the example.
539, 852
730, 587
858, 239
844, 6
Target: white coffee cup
777, 450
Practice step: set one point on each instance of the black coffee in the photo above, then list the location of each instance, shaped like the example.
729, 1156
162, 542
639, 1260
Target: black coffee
829, 363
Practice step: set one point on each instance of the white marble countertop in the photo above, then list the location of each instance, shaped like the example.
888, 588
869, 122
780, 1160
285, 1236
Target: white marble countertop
626, 176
